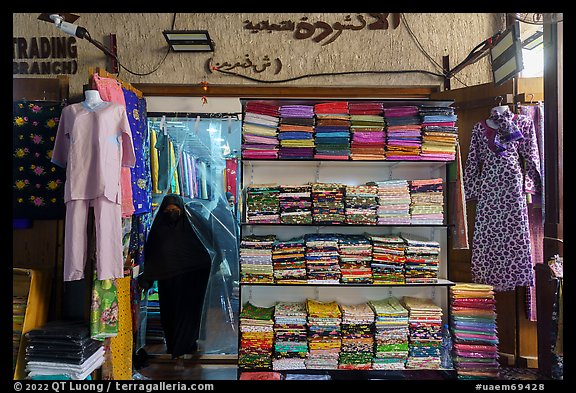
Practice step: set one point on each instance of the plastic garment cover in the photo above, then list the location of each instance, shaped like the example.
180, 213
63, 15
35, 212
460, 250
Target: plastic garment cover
207, 143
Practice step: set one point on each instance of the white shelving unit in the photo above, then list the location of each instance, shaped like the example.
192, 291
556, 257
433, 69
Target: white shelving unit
349, 172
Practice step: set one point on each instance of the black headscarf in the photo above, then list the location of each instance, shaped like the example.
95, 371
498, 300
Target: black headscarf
173, 247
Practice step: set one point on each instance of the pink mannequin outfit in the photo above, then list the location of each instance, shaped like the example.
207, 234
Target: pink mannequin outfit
93, 145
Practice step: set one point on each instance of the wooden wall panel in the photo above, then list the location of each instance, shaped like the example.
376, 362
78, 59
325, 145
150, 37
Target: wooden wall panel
518, 338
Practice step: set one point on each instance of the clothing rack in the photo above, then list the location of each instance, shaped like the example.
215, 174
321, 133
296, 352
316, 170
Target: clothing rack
105, 74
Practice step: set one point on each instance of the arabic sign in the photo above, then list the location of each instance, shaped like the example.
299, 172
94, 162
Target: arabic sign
246, 63
51, 48
306, 29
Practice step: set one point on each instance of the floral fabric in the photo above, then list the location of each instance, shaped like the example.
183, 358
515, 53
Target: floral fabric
104, 309
37, 184
140, 173
501, 247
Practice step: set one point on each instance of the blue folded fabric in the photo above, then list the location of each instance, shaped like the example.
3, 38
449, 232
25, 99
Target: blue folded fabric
295, 135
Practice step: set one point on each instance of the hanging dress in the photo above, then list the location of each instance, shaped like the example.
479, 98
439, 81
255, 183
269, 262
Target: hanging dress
503, 165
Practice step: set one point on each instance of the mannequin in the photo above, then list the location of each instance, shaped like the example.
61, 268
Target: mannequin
93, 99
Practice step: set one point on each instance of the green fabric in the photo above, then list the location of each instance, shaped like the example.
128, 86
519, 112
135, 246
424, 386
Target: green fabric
104, 309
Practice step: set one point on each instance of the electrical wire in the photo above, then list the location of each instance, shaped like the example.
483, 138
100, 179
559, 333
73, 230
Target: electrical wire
101, 46
328, 74
419, 45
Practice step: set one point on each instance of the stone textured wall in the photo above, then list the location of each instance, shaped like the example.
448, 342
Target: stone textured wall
141, 47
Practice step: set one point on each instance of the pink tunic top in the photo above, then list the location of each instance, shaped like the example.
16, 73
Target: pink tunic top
93, 145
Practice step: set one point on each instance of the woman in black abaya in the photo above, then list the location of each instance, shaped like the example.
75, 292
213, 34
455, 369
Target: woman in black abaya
176, 257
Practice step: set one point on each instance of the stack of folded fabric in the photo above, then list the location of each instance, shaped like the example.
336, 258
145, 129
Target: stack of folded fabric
355, 255
367, 128
427, 202
322, 258
296, 132
154, 330
324, 337
388, 259
361, 203
393, 202
262, 204
422, 259
439, 133
295, 204
62, 349
307, 377
260, 130
357, 330
391, 334
403, 133
256, 264
18, 313
256, 337
328, 203
260, 376
289, 260
290, 336
425, 327
473, 326
332, 131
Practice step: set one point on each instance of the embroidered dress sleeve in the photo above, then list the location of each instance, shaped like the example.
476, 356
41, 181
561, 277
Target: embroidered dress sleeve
473, 168
61, 142
128, 156
528, 150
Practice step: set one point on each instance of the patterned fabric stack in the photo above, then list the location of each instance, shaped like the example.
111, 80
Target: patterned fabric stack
324, 336
322, 258
295, 204
289, 261
262, 204
403, 133
425, 326
367, 127
422, 259
19, 304
332, 131
361, 203
355, 256
393, 202
256, 259
154, 331
391, 334
260, 130
256, 337
439, 133
357, 337
388, 259
290, 336
296, 132
328, 203
473, 325
427, 202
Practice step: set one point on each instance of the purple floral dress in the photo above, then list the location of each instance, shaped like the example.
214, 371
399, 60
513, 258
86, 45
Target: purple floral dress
503, 165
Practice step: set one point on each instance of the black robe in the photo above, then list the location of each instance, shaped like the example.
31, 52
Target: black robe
177, 258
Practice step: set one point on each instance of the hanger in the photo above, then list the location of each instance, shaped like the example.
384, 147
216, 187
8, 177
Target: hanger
500, 108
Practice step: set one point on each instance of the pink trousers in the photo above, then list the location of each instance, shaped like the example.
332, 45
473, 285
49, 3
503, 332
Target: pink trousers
108, 223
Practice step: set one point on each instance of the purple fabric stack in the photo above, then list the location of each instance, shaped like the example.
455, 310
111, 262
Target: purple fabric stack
296, 132
259, 130
367, 128
403, 133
